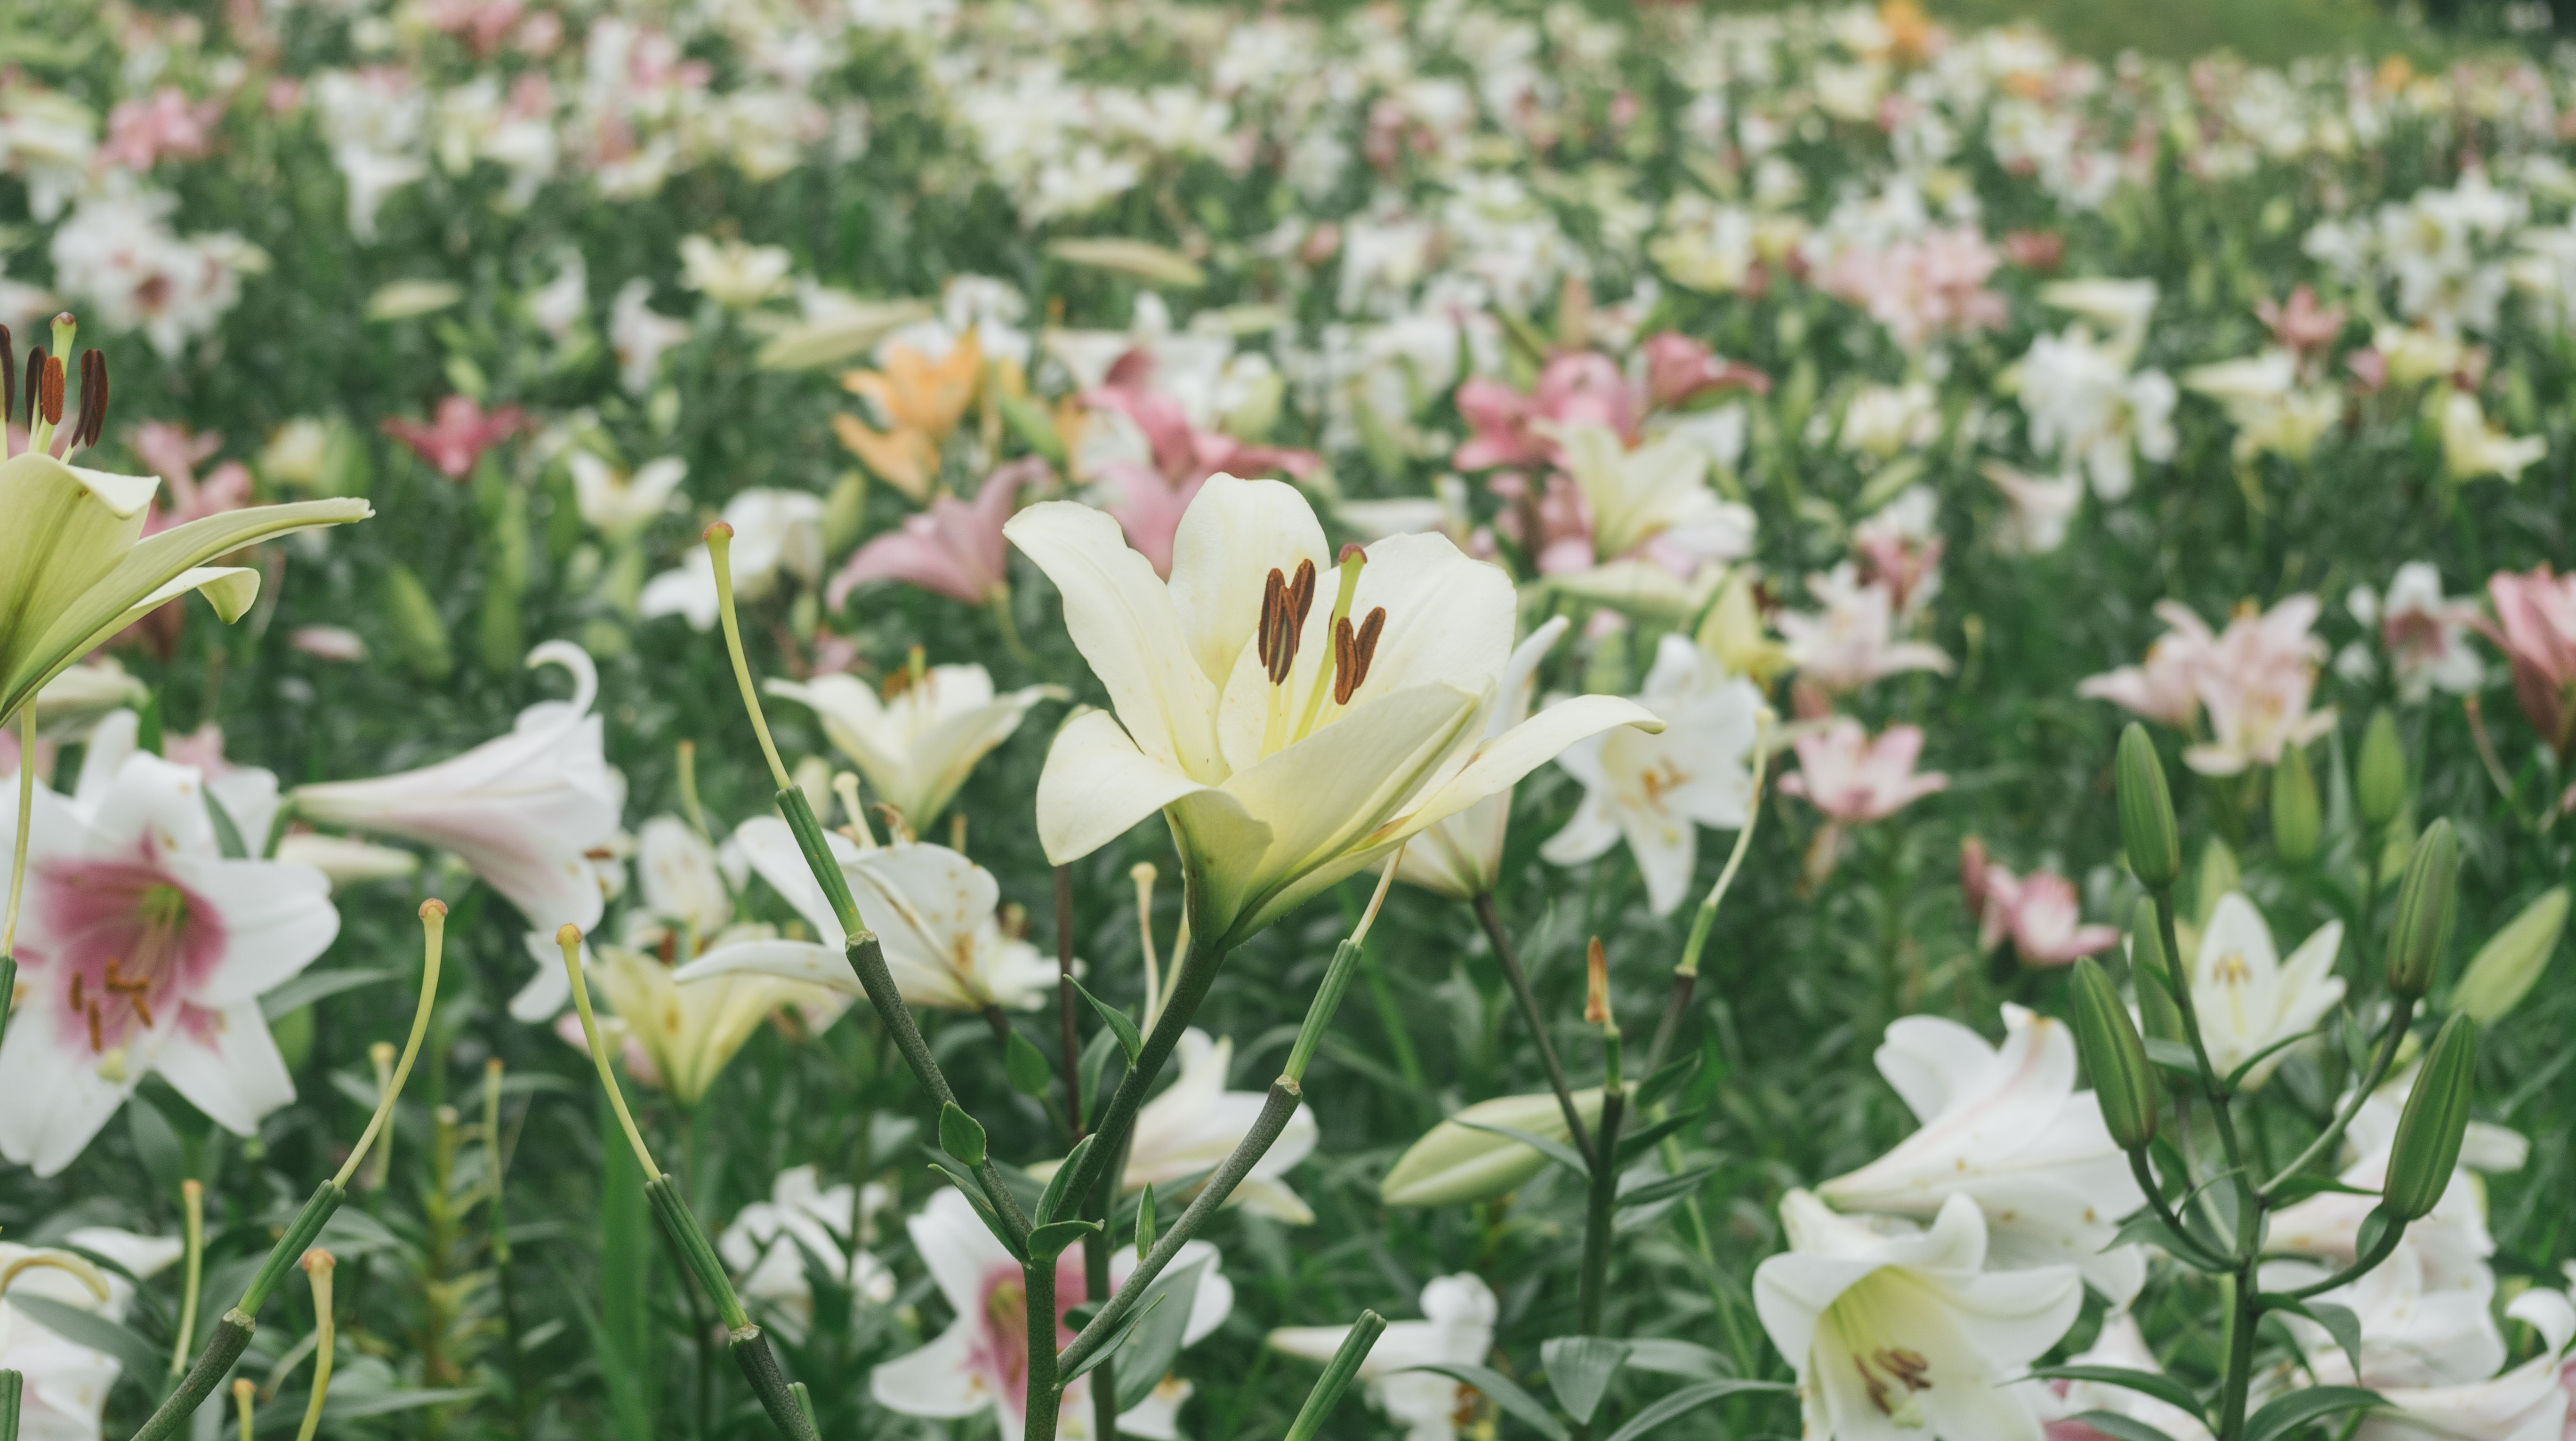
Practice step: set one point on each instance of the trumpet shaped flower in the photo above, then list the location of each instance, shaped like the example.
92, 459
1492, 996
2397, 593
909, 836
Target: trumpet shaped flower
953, 549
2006, 1128
916, 746
1653, 499
1288, 744
66, 1383
1909, 1337
931, 909
1462, 857
1457, 1328
144, 949
688, 1029
532, 812
1854, 779
771, 1243
2248, 997
78, 568
920, 401
2040, 913
980, 1364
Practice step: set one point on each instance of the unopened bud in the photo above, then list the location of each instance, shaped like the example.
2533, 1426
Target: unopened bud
2296, 818
2219, 874
1455, 1163
2114, 1057
2379, 785
2150, 967
2423, 926
1596, 985
420, 632
2147, 829
2427, 1148
2509, 964
318, 1259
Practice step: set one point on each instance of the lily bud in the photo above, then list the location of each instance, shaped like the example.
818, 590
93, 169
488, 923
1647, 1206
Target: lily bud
2147, 829
2427, 1148
1454, 1163
2423, 927
2296, 818
2379, 786
420, 633
2114, 1057
2219, 874
2509, 964
2149, 965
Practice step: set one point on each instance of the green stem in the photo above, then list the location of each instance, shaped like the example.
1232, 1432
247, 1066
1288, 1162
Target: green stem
2165, 1212
2389, 1039
2244, 1310
1045, 1401
231, 1338
793, 1418
1527, 1000
1597, 1213
1197, 974
867, 958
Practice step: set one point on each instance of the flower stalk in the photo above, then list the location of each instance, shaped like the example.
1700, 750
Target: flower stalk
318, 1265
192, 1205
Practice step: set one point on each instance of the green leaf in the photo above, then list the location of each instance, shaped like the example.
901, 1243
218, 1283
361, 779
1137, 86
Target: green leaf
1579, 1369
1130, 1039
1148, 1355
1671, 1078
2300, 1188
1687, 1399
2175, 1056
961, 1135
2121, 1428
1145, 1221
1557, 1151
1049, 1241
1667, 1357
2339, 1321
1051, 1200
1503, 1393
2236, 1078
1638, 1143
2148, 1228
2287, 1413
2148, 1383
313, 986
1027, 1065
973, 1190
1663, 1188
228, 836
140, 1358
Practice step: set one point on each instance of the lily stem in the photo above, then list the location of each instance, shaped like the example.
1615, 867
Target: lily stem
2398, 1020
1527, 1000
867, 958
1197, 975
1044, 1399
1597, 1213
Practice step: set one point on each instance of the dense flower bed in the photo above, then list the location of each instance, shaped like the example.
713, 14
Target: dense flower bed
1184, 469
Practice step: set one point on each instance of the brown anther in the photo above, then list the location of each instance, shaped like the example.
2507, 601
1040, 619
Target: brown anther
1301, 592
1345, 660
49, 392
79, 999
93, 398
1274, 593
8, 383
1910, 1367
1370, 630
96, 1041
35, 384
142, 1009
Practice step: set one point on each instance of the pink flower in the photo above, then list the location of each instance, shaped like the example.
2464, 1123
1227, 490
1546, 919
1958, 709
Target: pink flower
2040, 250
1554, 525
1854, 779
1921, 289
141, 133
1183, 458
1678, 367
953, 549
2166, 689
2535, 625
2303, 327
1578, 387
1851, 642
2040, 913
2256, 682
458, 433
172, 451
482, 24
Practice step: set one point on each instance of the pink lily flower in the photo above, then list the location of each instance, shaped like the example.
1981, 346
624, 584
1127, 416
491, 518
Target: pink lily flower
1678, 367
458, 433
2257, 682
2041, 915
2535, 625
172, 451
1578, 387
2303, 327
1852, 640
953, 549
1554, 524
141, 133
1854, 779
2166, 688
145, 950
1154, 498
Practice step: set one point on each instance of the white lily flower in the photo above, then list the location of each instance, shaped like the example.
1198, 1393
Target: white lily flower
1656, 790
2247, 997
770, 1243
1462, 857
532, 812
1654, 496
689, 1026
1274, 791
1909, 1337
2528, 1403
1195, 1123
2006, 1128
618, 504
144, 949
774, 532
1457, 1328
78, 567
980, 1364
66, 1385
916, 748
931, 909
683, 880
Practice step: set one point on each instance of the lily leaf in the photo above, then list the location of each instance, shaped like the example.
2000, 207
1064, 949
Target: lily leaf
2147, 1383
2285, 1414
1687, 1399
1579, 1369
1130, 1039
1557, 1151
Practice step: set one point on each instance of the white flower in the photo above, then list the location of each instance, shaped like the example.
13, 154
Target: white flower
1457, 1328
618, 504
1653, 498
1276, 790
2041, 509
1194, 1124
639, 334
144, 949
2248, 998
2471, 447
733, 273
2425, 633
1852, 640
2119, 307
1462, 857
682, 879
1884, 421
2008, 1130
770, 1244
532, 812
2086, 408
1909, 1337
917, 747
774, 532
931, 909
979, 1364
67, 1383
1656, 790
2528, 1403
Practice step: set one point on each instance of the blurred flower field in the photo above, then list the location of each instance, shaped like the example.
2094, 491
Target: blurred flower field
1877, 724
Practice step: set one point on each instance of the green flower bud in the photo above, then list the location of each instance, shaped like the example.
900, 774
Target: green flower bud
2219, 874
2427, 1148
845, 512
2296, 817
2114, 1057
2147, 828
2380, 785
420, 634
2423, 926
2149, 965
2509, 964
1455, 1163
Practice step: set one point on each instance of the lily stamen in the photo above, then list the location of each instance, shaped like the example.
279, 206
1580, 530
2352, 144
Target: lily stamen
1352, 652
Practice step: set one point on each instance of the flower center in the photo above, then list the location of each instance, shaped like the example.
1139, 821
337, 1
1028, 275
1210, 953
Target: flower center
1892, 1374
1285, 603
127, 936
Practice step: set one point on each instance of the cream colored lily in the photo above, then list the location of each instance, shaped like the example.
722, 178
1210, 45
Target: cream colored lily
1288, 743
917, 746
78, 569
